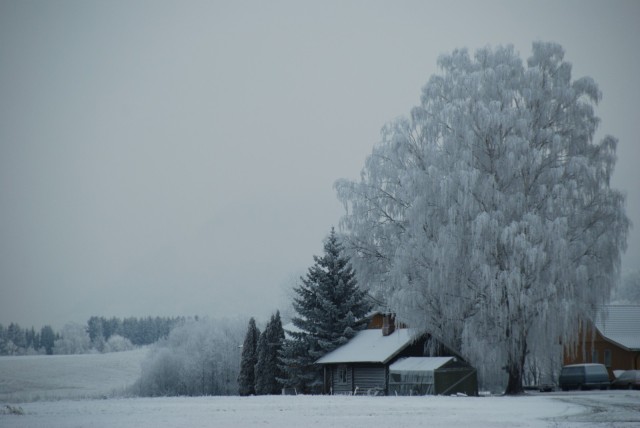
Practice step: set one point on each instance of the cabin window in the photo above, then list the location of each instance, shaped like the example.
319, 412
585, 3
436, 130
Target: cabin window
594, 356
342, 374
607, 357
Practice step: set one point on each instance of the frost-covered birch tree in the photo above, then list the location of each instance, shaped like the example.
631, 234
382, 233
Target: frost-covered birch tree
487, 216
628, 290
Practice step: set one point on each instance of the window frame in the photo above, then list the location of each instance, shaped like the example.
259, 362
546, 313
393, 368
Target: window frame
343, 374
608, 356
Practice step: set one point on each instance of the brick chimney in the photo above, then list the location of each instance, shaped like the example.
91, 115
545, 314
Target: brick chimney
388, 324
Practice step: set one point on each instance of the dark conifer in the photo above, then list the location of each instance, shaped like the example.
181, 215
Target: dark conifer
247, 377
267, 370
331, 310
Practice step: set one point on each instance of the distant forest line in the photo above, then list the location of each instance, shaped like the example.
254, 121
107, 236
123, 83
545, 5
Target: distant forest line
99, 334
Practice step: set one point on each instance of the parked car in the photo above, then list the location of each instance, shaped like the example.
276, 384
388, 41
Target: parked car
584, 376
628, 379
546, 387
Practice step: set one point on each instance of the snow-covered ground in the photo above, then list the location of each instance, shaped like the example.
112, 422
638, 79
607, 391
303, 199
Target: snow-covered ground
52, 377
53, 392
599, 409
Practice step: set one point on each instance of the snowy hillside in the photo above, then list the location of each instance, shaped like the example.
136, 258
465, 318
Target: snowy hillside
53, 377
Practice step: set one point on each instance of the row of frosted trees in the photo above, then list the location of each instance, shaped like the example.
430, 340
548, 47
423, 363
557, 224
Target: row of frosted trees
15, 340
99, 334
259, 366
140, 331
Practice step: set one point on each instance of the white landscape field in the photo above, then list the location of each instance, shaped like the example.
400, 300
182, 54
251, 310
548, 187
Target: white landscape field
66, 387
334, 411
54, 377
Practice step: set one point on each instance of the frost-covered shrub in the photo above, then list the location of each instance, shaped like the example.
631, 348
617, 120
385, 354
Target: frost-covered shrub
74, 339
11, 410
117, 343
199, 357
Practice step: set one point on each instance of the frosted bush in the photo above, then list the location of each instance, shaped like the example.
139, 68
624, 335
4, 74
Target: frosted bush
117, 343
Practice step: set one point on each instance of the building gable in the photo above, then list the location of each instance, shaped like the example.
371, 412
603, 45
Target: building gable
620, 324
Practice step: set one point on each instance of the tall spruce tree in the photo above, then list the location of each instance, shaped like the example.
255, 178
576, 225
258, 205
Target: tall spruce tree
267, 370
247, 377
330, 310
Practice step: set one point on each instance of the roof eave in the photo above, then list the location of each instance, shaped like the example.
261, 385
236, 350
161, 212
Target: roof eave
618, 344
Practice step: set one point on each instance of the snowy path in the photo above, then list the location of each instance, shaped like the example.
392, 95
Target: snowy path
603, 409
571, 410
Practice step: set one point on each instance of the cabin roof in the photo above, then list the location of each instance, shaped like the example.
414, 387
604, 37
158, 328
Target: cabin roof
419, 364
620, 324
370, 346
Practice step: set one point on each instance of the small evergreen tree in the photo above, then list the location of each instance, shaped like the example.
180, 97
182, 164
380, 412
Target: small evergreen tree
297, 363
3, 340
17, 335
331, 310
267, 369
47, 339
247, 377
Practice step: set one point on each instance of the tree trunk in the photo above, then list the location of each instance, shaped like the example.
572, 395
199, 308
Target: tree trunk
514, 385
516, 372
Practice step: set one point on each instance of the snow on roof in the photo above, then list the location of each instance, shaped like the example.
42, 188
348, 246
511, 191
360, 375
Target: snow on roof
419, 364
370, 346
620, 324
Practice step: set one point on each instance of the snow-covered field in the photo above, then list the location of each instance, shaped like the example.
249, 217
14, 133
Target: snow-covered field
601, 409
63, 383
53, 377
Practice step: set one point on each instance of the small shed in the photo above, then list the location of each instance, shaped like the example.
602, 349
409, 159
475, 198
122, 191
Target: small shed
432, 376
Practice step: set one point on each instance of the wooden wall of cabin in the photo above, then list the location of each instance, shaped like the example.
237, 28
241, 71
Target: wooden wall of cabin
361, 379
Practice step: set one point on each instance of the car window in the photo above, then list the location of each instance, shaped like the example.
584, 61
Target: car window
633, 375
570, 371
626, 375
599, 369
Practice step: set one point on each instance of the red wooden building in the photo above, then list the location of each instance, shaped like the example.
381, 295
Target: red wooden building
615, 341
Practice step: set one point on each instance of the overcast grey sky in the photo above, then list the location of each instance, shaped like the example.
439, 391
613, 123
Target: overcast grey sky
178, 158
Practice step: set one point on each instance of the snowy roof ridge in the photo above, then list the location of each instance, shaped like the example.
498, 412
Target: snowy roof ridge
620, 324
370, 346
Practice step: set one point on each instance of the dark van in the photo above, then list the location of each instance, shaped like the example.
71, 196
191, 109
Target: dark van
584, 376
